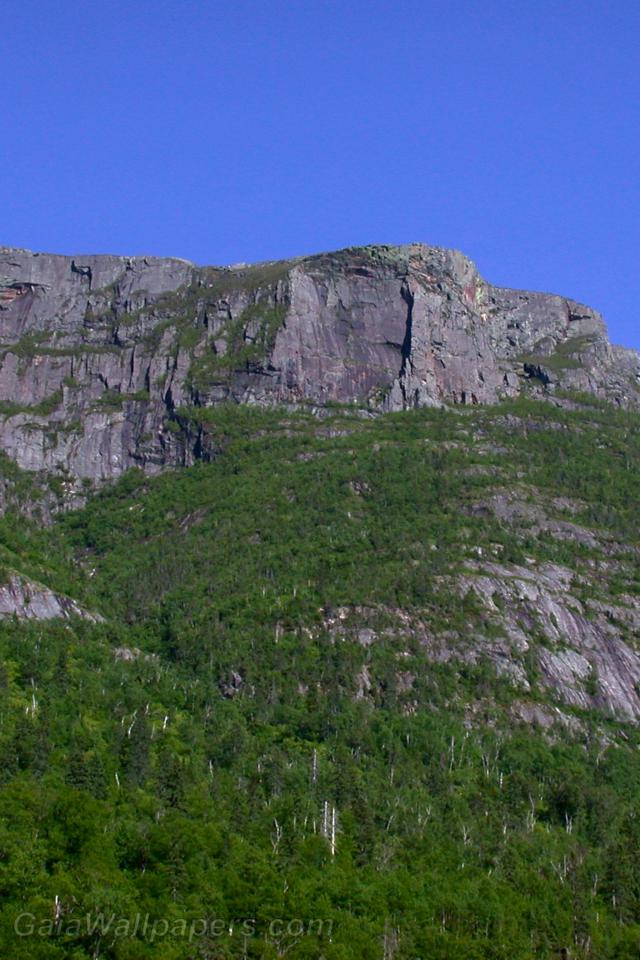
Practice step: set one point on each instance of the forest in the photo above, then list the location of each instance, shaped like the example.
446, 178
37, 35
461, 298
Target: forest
237, 752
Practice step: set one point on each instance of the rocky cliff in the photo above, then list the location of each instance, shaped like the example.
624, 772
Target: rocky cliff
102, 356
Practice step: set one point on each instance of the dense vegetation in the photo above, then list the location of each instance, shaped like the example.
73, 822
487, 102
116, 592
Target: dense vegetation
214, 753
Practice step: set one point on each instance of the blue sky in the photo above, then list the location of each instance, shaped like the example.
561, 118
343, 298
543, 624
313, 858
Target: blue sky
237, 131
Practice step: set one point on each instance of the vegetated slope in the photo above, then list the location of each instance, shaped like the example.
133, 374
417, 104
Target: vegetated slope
418, 628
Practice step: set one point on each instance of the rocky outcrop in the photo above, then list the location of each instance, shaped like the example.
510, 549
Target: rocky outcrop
531, 627
548, 637
28, 600
106, 362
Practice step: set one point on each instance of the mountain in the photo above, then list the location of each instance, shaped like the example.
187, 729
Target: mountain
106, 359
319, 614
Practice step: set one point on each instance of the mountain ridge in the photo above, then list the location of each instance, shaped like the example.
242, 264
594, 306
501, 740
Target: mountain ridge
101, 355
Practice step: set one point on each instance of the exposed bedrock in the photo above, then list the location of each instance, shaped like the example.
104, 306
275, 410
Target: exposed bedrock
103, 360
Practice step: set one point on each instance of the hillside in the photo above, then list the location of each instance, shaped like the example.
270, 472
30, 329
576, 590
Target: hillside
426, 621
353, 673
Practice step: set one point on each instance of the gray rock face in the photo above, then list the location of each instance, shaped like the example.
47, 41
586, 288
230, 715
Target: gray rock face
27, 600
584, 659
101, 357
543, 639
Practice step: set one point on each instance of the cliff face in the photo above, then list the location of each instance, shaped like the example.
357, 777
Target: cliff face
101, 356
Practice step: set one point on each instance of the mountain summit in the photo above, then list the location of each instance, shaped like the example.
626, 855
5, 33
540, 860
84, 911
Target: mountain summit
103, 357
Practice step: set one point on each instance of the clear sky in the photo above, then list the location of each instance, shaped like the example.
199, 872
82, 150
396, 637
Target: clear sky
247, 130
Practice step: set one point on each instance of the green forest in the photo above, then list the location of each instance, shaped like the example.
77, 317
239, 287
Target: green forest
239, 755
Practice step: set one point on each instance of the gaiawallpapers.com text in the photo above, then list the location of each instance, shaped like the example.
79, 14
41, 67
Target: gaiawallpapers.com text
153, 929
